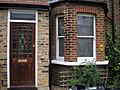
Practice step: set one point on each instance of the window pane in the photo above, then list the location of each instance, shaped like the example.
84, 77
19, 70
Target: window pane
85, 26
22, 15
61, 26
61, 47
85, 47
22, 47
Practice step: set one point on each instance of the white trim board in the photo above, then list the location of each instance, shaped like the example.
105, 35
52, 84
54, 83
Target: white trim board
36, 49
8, 43
77, 63
8, 50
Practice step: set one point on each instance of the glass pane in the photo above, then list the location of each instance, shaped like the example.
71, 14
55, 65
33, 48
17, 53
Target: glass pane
14, 50
29, 47
61, 47
14, 36
14, 41
14, 55
22, 47
85, 47
22, 41
85, 26
30, 42
22, 15
30, 56
61, 26
14, 45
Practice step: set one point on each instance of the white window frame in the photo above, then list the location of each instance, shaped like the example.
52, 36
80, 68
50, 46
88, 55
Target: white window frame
8, 41
58, 58
85, 59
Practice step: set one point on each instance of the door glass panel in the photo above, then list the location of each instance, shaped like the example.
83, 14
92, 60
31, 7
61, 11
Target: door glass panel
14, 44
30, 44
30, 56
22, 44
14, 55
22, 41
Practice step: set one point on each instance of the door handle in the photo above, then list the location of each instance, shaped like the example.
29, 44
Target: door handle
33, 45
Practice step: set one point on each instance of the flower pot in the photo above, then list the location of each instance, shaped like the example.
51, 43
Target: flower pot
78, 87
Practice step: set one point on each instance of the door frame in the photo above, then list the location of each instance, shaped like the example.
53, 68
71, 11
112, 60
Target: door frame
8, 42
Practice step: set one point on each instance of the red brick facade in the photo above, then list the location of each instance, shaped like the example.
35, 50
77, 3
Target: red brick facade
70, 29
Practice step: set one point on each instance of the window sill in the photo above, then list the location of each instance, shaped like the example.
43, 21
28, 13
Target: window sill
77, 63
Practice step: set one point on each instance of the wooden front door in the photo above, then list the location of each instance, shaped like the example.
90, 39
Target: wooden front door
22, 54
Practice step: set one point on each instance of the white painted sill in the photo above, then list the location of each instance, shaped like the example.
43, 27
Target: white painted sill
77, 63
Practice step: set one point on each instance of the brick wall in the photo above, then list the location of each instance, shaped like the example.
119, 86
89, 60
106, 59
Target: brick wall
62, 74
43, 50
70, 45
3, 49
70, 30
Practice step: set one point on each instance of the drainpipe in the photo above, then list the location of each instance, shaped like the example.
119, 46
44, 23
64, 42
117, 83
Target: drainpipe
50, 38
113, 23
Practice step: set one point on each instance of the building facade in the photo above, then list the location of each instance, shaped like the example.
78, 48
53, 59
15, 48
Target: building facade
41, 40
24, 45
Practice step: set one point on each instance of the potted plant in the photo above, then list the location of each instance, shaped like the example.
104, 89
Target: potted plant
74, 83
87, 76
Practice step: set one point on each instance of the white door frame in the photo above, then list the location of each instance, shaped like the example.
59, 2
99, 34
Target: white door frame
8, 43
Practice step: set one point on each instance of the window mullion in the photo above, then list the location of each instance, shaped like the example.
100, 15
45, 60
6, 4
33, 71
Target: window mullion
60, 36
85, 36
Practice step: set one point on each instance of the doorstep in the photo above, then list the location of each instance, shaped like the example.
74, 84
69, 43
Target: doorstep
22, 88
